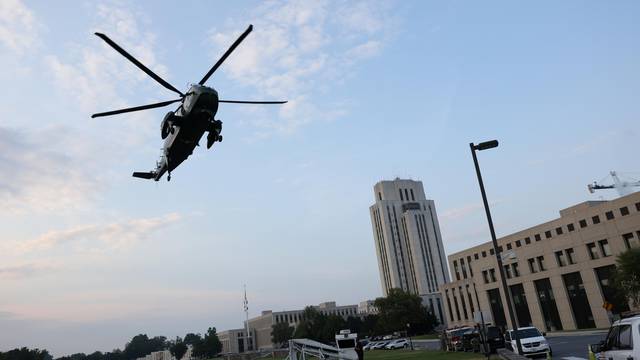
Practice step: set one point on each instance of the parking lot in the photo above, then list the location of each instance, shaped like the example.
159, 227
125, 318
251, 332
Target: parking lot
565, 346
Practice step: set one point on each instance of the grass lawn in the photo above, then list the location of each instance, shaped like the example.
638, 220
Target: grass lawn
419, 355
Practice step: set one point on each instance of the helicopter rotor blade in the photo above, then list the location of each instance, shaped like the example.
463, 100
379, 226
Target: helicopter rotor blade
137, 108
251, 102
226, 54
138, 63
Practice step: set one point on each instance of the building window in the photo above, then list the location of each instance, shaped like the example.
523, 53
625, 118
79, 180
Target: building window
541, 266
624, 211
629, 241
558, 231
595, 219
379, 195
638, 206
406, 194
560, 259
509, 246
484, 254
518, 243
583, 223
400, 191
516, 272
527, 240
412, 197
492, 274
604, 247
537, 236
469, 263
570, 258
475, 256
570, 227
547, 234
593, 252
609, 215
491, 251
532, 265
464, 268
507, 271
500, 249
485, 275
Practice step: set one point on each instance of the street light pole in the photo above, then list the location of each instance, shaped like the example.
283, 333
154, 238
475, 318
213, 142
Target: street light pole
484, 146
409, 335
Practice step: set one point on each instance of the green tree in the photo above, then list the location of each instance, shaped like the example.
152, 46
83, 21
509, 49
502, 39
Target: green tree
329, 327
209, 346
627, 275
310, 324
400, 308
25, 354
281, 333
369, 325
355, 324
178, 348
192, 338
141, 345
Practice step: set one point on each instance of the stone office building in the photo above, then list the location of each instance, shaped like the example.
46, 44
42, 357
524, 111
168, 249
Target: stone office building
261, 326
408, 243
558, 273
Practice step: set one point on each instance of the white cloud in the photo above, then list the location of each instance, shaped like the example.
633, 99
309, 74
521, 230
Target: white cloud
98, 237
97, 76
18, 26
298, 51
44, 172
22, 271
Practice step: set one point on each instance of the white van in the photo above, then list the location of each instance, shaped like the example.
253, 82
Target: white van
622, 341
532, 340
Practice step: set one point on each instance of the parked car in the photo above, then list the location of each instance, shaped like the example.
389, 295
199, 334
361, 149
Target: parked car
369, 345
495, 338
380, 345
471, 340
397, 344
454, 338
622, 341
533, 341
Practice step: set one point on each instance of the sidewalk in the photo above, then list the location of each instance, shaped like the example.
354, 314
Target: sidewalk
576, 332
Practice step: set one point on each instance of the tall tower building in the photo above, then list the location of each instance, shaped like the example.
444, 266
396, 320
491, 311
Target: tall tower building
408, 242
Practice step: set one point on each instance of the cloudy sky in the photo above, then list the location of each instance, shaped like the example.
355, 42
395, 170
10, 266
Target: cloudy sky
90, 257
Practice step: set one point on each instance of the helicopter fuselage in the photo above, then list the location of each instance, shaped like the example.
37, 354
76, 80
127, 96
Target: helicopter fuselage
189, 122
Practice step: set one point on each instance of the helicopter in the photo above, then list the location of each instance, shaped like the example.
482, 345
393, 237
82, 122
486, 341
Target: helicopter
183, 128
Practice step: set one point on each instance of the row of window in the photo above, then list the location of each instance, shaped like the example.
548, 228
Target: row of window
564, 257
463, 302
624, 211
576, 294
406, 195
297, 316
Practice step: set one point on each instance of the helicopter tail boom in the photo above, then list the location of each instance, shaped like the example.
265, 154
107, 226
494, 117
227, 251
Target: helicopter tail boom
145, 175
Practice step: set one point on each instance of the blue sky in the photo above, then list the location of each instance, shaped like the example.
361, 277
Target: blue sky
379, 89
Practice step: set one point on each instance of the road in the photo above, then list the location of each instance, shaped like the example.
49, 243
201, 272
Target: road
573, 346
565, 347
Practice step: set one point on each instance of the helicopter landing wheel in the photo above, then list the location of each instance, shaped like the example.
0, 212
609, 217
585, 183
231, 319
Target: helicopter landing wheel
169, 177
219, 138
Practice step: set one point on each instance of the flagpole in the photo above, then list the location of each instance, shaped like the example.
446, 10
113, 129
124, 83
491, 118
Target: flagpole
246, 314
